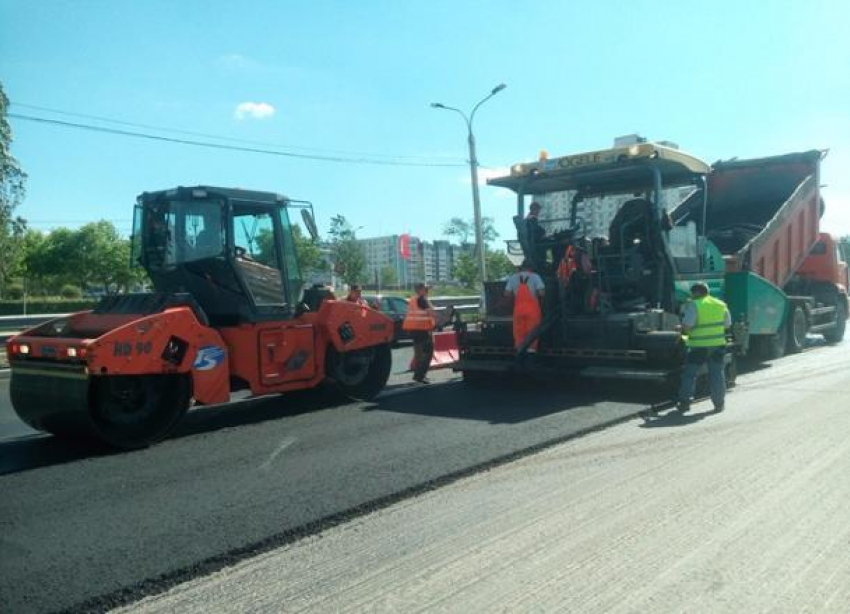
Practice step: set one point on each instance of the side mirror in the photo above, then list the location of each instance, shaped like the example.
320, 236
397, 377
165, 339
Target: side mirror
310, 224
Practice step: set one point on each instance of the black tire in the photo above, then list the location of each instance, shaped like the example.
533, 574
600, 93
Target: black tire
361, 374
836, 335
795, 338
769, 347
134, 411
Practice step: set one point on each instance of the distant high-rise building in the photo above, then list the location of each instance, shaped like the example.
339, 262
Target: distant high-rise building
444, 256
431, 262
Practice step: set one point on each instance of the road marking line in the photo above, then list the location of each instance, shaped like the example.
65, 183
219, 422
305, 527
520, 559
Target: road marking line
288, 441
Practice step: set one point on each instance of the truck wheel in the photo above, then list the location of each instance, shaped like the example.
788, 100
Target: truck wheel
134, 411
360, 374
795, 339
769, 347
837, 334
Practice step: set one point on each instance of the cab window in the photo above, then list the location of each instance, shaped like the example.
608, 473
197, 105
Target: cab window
257, 257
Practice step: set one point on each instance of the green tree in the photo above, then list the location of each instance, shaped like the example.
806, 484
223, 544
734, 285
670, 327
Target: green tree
104, 255
12, 191
95, 254
389, 277
306, 250
347, 254
496, 262
309, 254
463, 231
466, 269
498, 265
48, 259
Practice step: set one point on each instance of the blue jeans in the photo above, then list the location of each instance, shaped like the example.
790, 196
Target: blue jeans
696, 358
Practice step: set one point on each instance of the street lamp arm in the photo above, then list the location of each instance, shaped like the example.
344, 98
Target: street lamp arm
495, 91
438, 105
475, 108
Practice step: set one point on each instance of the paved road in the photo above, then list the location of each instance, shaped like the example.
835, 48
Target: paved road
743, 511
76, 525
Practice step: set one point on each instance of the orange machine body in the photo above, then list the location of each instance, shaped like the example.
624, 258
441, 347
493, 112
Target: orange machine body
266, 357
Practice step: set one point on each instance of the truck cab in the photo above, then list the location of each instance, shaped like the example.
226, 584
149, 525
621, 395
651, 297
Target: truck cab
826, 264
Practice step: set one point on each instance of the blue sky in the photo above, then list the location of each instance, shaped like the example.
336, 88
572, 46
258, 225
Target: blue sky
722, 79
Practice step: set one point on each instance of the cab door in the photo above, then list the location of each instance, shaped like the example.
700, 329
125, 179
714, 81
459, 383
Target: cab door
287, 354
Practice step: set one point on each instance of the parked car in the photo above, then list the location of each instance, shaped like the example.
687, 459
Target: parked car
395, 307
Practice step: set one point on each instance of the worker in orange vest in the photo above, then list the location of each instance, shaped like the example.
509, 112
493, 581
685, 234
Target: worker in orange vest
527, 289
420, 322
355, 295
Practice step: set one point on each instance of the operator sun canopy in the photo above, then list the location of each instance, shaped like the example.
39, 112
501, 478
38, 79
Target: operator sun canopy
607, 171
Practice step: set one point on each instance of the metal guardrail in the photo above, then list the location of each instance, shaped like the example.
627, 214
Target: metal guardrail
21, 322
461, 304
9, 325
440, 301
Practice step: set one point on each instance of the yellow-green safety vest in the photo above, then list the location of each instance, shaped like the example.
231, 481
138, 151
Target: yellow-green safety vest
710, 329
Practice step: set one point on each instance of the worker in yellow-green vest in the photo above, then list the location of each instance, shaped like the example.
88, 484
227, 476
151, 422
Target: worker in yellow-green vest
705, 320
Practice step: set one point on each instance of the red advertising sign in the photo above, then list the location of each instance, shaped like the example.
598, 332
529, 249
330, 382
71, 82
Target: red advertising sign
404, 246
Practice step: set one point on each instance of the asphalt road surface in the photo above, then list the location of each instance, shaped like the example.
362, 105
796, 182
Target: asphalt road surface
81, 529
742, 511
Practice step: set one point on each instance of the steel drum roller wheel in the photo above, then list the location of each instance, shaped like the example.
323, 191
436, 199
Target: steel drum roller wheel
360, 374
129, 412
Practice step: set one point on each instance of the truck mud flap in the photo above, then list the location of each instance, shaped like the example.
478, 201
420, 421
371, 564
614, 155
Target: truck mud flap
52, 397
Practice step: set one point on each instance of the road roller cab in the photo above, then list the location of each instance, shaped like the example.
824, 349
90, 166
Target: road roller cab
226, 314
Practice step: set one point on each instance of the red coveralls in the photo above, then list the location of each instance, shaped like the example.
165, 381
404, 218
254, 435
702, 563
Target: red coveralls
526, 313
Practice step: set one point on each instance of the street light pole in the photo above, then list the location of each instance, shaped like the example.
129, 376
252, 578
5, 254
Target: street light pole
473, 171
476, 212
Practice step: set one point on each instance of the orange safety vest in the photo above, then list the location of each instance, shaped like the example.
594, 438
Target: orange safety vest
526, 314
417, 318
567, 266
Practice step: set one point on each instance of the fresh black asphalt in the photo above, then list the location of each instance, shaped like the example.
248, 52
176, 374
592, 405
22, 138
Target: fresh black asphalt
84, 529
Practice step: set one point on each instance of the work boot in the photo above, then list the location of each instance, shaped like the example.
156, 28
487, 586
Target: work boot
719, 408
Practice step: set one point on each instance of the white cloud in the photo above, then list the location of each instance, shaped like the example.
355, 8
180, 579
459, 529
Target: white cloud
253, 110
